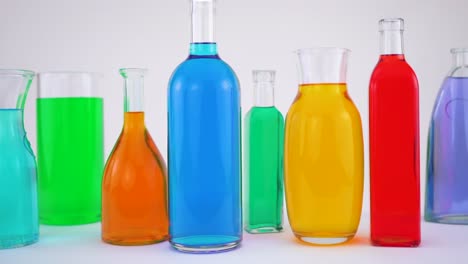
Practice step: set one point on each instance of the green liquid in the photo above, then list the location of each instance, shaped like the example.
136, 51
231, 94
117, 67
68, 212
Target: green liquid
70, 159
263, 170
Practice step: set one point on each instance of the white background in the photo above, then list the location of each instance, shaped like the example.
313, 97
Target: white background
104, 35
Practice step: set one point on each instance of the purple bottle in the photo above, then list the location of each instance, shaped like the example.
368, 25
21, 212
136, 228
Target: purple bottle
447, 153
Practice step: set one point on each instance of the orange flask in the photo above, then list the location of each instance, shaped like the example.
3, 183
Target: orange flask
134, 199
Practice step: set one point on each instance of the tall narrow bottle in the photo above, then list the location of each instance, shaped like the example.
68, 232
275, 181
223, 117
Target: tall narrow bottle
134, 208
323, 151
394, 143
204, 145
263, 159
447, 148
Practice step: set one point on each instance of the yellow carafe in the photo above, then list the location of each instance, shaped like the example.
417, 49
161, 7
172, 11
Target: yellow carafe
323, 152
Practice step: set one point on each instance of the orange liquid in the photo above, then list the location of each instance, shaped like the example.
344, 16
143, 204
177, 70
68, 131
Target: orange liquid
134, 207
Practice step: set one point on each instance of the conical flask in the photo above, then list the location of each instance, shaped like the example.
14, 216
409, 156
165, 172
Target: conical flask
19, 222
323, 155
134, 207
447, 153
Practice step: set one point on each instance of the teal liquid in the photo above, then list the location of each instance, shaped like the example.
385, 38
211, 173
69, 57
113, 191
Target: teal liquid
70, 159
263, 170
19, 224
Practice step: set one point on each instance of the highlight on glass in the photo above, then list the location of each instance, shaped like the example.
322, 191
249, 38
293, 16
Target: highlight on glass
447, 151
19, 222
323, 153
70, 145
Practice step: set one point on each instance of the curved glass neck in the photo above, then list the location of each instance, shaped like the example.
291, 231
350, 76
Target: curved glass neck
331, 89
14, 87
322, 65
460, 63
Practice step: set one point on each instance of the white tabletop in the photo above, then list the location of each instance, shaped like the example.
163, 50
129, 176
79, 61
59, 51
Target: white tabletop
442, 244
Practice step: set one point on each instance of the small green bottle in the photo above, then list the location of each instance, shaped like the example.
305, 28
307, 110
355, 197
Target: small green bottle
263, 159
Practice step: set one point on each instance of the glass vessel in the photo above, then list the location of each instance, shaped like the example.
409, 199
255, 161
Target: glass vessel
447, 162
323, 155
70, 144
134, 207
19, 223
394, 143
263, 159
204, 145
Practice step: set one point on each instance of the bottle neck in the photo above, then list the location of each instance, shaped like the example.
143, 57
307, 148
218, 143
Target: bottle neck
134, 121
264, 94
391, 42
460, 63
134, 94
203, 21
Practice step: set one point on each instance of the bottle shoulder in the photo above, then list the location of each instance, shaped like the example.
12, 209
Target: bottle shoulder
203, 66
390, 69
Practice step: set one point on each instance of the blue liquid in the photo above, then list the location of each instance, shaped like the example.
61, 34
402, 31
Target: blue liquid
19, 222
447, 164
204, 153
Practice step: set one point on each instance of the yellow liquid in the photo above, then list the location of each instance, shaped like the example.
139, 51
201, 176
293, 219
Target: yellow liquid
324, 167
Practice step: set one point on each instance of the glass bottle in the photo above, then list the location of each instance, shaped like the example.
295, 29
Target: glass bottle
394, 143
263, 159
70, 148
447, 162
323, 155
19, 222
134, 207
204, 145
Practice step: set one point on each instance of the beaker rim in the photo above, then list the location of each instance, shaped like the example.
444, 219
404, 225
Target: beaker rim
458, 50
71, 72
322, 49
25, 73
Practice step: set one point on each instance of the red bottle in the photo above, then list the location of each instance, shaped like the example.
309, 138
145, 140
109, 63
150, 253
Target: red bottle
394, 144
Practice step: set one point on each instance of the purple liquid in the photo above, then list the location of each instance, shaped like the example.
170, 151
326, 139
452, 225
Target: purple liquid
447, 163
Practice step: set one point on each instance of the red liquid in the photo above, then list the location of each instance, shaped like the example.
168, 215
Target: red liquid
394, 153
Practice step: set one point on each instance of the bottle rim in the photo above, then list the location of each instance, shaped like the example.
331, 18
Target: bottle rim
17, 72
322, 50
458, 50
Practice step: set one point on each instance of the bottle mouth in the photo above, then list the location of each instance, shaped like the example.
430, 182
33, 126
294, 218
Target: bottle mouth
458, 50
321, 50
17, 72
125, 72
391, 24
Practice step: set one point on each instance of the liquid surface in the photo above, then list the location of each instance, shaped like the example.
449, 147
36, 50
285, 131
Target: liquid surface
323, 163
19, 224
447, 164
394, 153
204, 154
263, 168
70, 159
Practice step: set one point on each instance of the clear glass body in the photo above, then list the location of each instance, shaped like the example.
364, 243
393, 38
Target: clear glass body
134, 206
447, 151
19, 222
70, 144
323, 154
204, 147
263, 159
394, 144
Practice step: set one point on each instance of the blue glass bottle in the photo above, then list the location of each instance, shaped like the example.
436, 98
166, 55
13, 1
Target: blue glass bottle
204, 145
19, 222
447, 155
